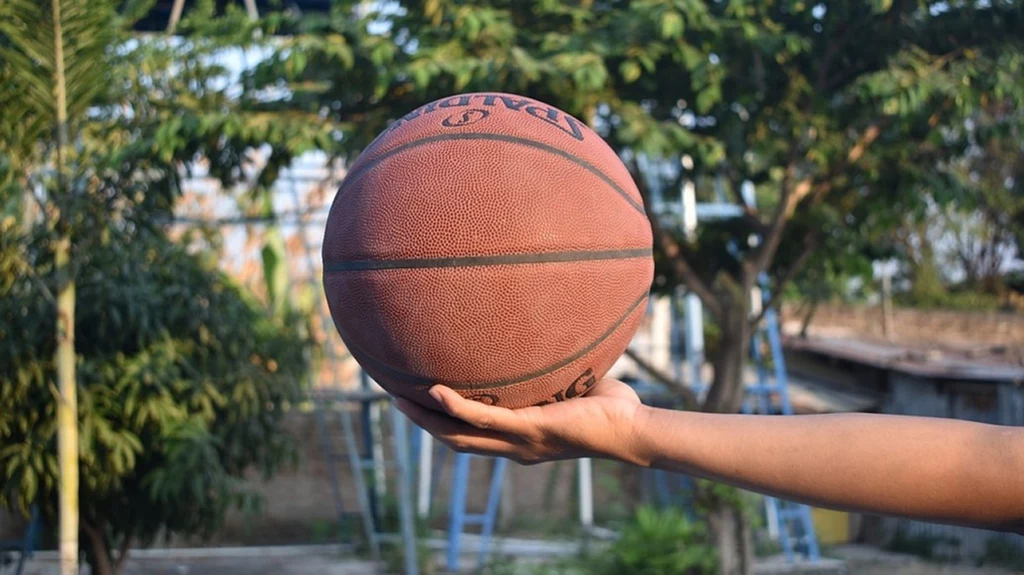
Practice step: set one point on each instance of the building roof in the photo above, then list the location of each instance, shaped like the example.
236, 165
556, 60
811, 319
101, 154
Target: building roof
930, 363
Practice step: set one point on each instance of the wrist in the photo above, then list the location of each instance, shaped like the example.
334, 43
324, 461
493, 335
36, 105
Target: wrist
634, 444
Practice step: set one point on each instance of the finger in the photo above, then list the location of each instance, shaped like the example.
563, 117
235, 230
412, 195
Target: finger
613, 388
458, 434
435, 422
478, 414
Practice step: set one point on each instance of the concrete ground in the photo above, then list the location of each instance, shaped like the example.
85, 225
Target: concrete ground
863, 560
299, 560
336, 560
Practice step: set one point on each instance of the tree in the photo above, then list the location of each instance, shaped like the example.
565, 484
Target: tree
962, 231
986, 179
50, 78
834, 112
182, 378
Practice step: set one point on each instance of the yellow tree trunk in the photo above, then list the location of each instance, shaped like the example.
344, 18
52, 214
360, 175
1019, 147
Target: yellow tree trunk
67, 405
67, 415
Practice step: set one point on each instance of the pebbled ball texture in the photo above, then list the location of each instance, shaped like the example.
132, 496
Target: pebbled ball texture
491, 243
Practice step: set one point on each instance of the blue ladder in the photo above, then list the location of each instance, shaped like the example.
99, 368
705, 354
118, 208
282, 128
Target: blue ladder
359, 463
793, 520
458, 518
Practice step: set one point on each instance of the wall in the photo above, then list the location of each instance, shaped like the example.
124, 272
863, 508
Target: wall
912, 325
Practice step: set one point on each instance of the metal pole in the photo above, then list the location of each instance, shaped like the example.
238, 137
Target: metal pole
426, 461
328, 448
493, 497
694, 310
373, 449
362, 493
457, 509
586, 486
888, 329
405, 508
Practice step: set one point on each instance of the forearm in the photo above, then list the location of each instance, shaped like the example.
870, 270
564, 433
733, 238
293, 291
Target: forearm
928, 468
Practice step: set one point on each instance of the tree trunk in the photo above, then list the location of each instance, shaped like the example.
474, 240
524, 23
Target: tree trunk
732, 535
98, 553
726, 393
809, 316
67, 414
67, 403
729, 526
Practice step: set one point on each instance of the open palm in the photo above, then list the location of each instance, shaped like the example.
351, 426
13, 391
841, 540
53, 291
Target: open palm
598, 424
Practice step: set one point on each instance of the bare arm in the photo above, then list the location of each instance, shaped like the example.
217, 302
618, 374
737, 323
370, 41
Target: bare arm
931, 469
928, 468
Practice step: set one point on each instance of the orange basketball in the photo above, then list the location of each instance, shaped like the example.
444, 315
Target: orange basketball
490, 243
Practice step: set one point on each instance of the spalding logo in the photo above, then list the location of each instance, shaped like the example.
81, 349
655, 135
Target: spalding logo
464, 119
563, 122
578, 387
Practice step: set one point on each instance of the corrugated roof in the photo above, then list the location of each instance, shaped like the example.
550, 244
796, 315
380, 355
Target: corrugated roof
930, 363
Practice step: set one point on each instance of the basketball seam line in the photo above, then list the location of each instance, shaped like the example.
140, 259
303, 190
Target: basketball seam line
410, 377
495, 260
352, 176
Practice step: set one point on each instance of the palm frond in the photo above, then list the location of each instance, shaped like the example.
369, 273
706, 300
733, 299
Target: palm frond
28, 60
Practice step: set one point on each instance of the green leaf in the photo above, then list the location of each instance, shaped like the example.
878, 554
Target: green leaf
671, 24
708, 97
881, 6
630, 71
692, 57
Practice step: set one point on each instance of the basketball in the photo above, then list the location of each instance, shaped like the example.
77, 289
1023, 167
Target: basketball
490, 243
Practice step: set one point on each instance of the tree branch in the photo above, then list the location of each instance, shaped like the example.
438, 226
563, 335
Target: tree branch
673, 252
782, 212
810, 243
122, 553
676, 387
792, 195
852, 157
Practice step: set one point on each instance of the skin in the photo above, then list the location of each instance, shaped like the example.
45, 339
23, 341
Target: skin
939, 470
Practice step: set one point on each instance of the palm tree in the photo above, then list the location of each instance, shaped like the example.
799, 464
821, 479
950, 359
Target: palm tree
51, 57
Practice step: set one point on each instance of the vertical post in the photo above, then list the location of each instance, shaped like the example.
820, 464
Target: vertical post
678, 297
328, 447
373, 444
771, 512
457, 509
660, 332
424, 469
493, 497
694, 310
405, 508
359, 478
887, 323
586, 489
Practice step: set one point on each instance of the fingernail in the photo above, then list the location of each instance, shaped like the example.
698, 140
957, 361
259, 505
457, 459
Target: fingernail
436, 394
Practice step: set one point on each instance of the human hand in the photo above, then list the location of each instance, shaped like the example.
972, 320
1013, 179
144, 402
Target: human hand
599, 424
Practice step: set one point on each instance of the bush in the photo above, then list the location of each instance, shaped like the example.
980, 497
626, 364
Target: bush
183, 381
